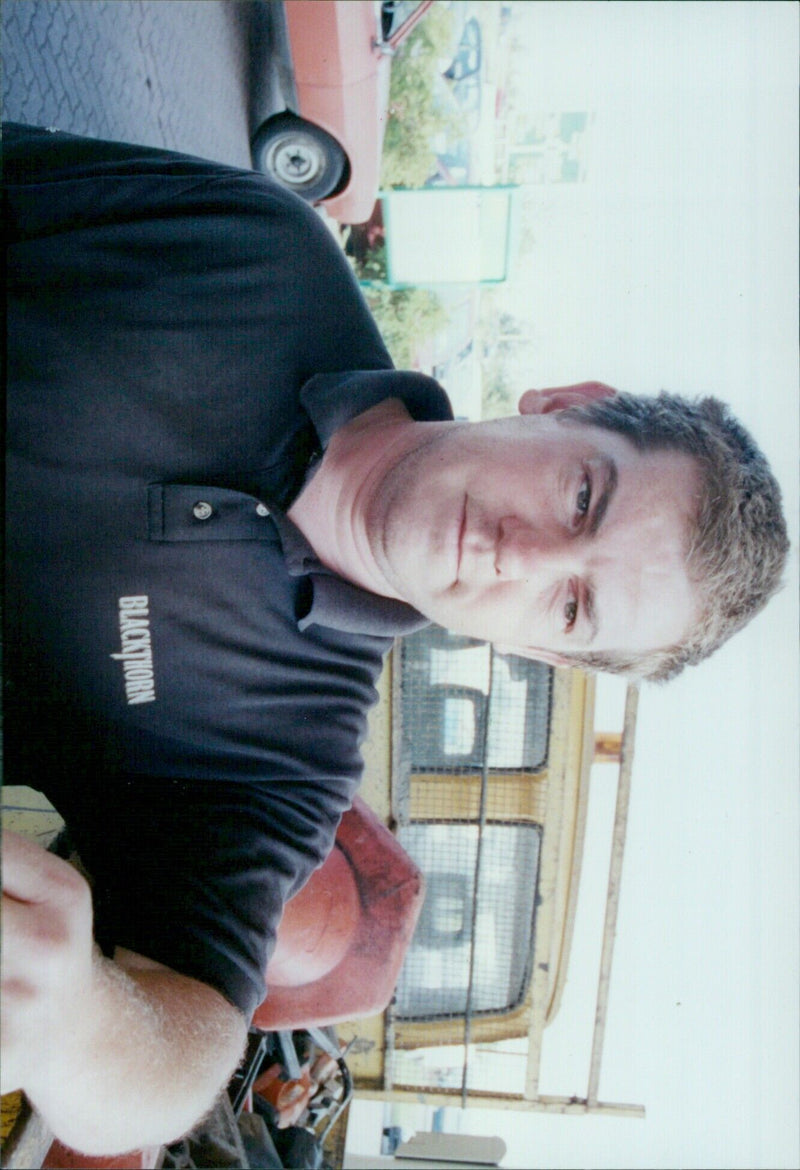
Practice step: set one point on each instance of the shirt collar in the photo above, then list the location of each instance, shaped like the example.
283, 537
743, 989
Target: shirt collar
331, 400
337, 603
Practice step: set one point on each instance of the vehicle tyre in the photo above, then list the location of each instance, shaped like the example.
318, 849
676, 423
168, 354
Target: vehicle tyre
299, 156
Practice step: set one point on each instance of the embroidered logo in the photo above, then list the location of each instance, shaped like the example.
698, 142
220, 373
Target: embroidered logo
136, 655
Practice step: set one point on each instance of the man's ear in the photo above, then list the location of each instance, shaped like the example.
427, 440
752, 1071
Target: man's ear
561, 397
531, 652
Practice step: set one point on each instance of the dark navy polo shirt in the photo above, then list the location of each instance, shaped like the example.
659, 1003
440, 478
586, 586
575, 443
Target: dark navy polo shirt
184, 679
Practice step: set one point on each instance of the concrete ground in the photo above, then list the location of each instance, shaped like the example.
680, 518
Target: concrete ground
179, 74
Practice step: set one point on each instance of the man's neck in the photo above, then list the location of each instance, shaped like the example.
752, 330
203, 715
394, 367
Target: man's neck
332, 506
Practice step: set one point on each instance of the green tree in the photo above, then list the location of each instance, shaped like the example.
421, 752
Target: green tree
406, 317
506, 351
497, 395
415, 117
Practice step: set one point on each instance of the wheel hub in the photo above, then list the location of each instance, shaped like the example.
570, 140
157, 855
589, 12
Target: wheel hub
295, 162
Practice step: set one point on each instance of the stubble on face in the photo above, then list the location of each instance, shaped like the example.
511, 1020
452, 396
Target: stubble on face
527, 476
409, 530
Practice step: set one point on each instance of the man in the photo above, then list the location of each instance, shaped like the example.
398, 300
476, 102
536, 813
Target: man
223, 504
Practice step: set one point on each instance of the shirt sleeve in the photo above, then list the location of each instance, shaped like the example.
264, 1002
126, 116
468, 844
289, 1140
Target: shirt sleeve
56, 181
195, 875
221, 228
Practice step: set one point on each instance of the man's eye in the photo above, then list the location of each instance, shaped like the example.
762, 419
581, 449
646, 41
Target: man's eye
584, 497
571, 612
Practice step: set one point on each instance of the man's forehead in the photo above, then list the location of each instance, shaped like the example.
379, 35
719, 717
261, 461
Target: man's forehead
571, 427
574, 422
617, 444
651, 602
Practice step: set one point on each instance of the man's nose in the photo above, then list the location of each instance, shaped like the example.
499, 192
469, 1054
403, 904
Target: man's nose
524, 549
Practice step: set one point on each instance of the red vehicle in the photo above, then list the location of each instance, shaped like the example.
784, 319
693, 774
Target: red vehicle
327, 144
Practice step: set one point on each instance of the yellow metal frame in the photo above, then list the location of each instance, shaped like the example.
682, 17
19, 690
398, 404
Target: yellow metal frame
561, 793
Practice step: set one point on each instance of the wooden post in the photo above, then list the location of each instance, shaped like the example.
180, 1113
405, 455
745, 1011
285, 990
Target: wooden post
544, 1103
607, 747
614, 881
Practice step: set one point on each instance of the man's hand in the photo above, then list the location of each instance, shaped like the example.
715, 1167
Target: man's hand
114, 1055
47, 962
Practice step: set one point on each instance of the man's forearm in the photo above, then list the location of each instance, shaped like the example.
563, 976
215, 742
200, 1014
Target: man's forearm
142, 1060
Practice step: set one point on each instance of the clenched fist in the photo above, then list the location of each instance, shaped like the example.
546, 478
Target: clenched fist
47, 957
113, 1054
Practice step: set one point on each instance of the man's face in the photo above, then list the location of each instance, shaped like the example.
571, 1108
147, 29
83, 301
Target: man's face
540, 535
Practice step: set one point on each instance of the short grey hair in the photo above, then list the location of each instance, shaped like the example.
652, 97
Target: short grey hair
737, 541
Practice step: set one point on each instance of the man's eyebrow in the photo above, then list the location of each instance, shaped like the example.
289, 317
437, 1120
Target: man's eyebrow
589, 608
610, 481
609, 487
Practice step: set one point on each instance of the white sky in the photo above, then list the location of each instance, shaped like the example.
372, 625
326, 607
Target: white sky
675, 266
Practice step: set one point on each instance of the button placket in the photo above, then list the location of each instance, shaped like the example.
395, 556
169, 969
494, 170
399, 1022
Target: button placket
201, 512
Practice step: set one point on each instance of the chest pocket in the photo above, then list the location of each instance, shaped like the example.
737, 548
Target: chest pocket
196, 512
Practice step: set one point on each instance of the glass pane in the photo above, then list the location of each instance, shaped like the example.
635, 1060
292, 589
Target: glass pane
445, 679
459, 727
436, 975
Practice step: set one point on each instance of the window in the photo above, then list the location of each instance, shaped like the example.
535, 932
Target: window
477, 922
450, 686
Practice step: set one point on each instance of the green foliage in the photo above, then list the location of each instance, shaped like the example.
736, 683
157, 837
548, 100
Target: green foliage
497, 396
504, 344
414, 116
373, 266
406, 317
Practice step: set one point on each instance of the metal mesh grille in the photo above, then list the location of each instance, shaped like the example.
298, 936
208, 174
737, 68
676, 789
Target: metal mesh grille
469, 788
472, 734
474, 936
452, 720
